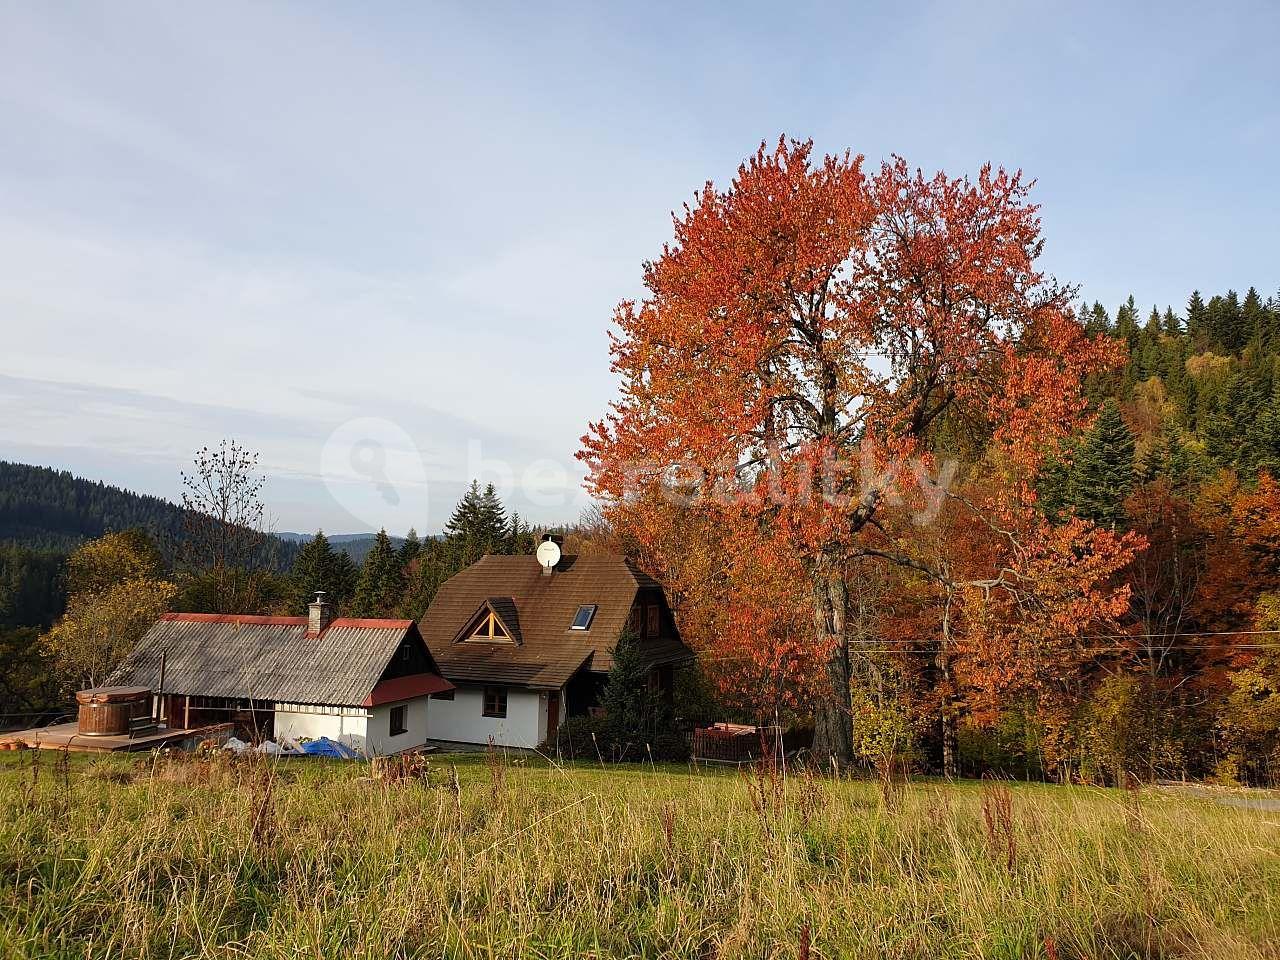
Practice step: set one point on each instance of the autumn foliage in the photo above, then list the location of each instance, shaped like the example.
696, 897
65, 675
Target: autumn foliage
818, 349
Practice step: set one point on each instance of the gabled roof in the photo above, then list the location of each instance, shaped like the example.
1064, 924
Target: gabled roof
504, 608
541, 608
267, 658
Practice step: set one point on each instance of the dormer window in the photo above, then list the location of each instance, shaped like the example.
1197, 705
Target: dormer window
582, 619
496, 621
490, 629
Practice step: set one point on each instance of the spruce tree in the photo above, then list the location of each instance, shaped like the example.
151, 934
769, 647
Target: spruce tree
1197, 320
1167, 457
410, 549
1102, 472
1253, 319
631, 709
464, 521
1127, 320
1233, 319
316, 567
492, 530
1231, 435
1181, 465
1155, 324
381, 583
519, 537
478, 525
1225, 323
1271, 339
1093, 318
437, 562
1266, 437
1221, 442
1053, 485
1099, 319
343, 578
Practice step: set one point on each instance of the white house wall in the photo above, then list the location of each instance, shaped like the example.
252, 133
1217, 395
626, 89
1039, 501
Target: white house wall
380, 742
462, 719
346, 725
365, 731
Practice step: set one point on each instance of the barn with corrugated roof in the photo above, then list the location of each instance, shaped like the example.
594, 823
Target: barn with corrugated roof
527, 643
363, 682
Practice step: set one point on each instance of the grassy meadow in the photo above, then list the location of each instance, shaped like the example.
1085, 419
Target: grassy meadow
490, 857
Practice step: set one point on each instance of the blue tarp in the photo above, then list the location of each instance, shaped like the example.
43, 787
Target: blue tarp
324, 747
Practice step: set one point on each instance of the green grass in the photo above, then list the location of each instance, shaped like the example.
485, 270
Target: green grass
135, 857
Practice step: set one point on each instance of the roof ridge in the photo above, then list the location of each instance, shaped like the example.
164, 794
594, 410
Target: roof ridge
369, 623
234, 618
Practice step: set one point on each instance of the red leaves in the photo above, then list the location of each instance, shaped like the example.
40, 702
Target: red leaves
809, 305
809, 339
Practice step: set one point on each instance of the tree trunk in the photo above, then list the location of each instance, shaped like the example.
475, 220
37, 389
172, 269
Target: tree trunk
949, 745
948, 694
833, 734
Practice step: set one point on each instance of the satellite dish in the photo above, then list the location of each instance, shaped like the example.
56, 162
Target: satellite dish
548, 553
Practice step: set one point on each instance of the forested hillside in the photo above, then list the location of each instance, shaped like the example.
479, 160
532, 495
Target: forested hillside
46, 509
53, 511
49, 517
1201, 390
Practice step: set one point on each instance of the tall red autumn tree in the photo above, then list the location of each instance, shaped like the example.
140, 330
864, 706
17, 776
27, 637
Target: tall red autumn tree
806, 337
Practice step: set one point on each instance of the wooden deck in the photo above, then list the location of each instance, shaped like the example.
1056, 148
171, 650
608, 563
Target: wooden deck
67, 736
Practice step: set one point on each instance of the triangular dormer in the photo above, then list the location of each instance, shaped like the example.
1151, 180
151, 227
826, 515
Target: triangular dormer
495, 621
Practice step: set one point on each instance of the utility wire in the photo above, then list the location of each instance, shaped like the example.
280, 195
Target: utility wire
1108, 648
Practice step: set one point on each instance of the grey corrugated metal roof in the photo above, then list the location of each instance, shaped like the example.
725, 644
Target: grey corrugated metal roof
264, 658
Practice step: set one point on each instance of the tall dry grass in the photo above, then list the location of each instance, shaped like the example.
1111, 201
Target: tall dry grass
486, 858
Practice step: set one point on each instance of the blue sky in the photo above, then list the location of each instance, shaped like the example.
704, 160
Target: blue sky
329, 229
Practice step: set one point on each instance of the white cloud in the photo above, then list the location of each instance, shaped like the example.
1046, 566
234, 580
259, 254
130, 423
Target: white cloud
266, 220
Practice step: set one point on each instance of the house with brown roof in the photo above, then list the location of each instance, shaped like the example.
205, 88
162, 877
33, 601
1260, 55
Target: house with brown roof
526, 644
364, 683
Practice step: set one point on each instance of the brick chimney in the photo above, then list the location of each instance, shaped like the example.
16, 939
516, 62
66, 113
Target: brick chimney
319, 613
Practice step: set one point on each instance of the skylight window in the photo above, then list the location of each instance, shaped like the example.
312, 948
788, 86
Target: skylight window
582, 620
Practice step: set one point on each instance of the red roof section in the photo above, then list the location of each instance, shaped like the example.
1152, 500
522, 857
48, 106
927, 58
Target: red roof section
370, 623
233, 618
406, 688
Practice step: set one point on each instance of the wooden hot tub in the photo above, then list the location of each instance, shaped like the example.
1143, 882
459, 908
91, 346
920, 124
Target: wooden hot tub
106, 711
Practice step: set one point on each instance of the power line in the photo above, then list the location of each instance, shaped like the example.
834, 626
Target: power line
1108, 648
1182, 633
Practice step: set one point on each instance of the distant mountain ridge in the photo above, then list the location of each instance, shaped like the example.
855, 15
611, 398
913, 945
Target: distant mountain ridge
334, 538
51, 510
354, 545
